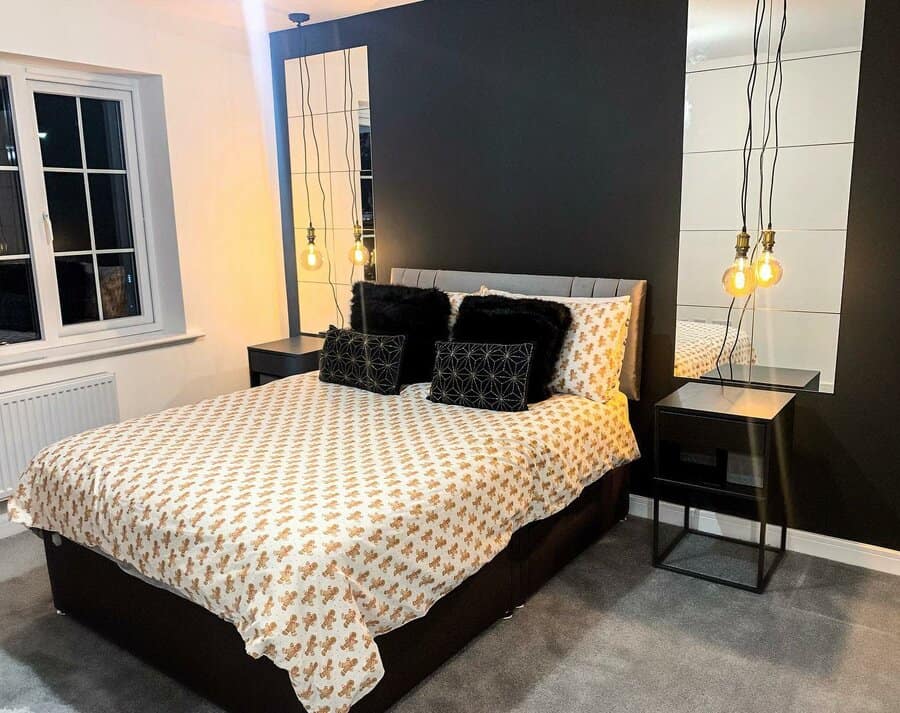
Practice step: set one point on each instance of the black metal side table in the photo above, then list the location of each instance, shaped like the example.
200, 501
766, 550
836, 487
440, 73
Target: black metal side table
724, 448
285, 357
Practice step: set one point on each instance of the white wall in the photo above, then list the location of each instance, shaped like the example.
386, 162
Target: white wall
794, 324
224, 186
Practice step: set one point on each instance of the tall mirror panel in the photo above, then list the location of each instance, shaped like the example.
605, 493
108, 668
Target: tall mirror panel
784, 157
332, 179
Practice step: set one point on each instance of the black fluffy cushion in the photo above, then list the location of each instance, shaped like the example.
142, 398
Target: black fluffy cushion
364, 361
487, 376
504, 320
422, 315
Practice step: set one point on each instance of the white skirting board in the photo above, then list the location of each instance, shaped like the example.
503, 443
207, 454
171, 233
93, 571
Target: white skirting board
859, 554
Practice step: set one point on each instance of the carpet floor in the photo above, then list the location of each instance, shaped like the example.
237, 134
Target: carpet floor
609, 633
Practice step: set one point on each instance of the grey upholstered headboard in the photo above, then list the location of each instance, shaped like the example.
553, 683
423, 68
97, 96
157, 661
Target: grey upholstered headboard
457, 281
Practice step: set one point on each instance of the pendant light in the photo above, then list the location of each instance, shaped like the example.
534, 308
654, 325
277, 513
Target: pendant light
359, 253
767, 267
739, 279
312, 256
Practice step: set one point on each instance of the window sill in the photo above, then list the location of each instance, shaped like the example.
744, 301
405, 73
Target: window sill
40, 359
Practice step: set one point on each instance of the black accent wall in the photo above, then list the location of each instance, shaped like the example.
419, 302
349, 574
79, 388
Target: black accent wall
545, 137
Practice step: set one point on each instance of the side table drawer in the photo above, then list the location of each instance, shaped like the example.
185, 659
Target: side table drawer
282, 365
726, 434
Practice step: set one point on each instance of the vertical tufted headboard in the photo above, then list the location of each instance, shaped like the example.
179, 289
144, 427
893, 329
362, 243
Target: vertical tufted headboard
459, 281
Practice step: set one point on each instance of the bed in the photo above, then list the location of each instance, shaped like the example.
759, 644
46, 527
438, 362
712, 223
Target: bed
283, 523
699, 344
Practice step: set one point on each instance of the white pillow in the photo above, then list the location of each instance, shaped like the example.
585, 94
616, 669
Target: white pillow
456, 299
591, 358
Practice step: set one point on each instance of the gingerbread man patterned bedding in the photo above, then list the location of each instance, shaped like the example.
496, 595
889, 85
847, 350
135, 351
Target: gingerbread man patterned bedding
315, 517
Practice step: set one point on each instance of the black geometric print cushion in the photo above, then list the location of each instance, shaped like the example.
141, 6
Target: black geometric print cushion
479, 375
364, 361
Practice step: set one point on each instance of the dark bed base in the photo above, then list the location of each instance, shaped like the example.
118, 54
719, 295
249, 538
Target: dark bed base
207, 654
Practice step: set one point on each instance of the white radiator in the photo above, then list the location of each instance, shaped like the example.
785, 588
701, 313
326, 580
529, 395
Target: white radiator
36, 417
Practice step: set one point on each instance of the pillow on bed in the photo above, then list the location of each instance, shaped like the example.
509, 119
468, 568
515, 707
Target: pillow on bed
479, 375
363, 361
590, 361
501, 320
422, 315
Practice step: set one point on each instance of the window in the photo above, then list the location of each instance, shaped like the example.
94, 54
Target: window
73, 251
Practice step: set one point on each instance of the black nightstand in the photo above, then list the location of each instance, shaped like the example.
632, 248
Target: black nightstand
286, 357
726, 449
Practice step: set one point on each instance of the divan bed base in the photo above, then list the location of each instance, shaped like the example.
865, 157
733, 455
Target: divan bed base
207, 654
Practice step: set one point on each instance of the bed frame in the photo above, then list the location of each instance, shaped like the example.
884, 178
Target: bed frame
207, 654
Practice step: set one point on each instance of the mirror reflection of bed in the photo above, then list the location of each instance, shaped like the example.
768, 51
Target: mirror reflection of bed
788, 332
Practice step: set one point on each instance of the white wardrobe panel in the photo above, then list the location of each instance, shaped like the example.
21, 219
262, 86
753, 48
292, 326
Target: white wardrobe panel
710, 191
702, 258
813, 272
720, 33
812, 188
343, 137
797, 340
342, 200
314, 162
337, 82
316, 211
340, 243
818, 100
715, 112
314, 86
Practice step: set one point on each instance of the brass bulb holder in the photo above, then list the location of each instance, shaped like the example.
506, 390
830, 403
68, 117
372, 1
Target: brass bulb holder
357, 231
768, 240
311, 235
742, 245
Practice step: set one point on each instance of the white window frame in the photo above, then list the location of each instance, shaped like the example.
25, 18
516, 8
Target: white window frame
24, 80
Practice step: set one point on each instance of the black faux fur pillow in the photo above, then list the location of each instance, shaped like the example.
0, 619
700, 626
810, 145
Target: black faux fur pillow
504, 320
421, 314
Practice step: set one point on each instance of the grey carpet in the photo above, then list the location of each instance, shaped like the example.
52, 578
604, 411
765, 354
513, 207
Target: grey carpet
610, 633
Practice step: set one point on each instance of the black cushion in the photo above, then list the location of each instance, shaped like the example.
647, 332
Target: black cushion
487, 376
504, 320
423, 315
364, 361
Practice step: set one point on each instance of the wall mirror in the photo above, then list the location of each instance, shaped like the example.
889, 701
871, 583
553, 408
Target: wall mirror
332, 181
786, 334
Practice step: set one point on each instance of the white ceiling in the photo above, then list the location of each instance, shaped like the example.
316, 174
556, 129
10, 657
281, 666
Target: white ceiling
230, 13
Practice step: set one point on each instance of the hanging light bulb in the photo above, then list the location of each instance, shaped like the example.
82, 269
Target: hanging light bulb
767, 267
739, 280
359, 253
312, 257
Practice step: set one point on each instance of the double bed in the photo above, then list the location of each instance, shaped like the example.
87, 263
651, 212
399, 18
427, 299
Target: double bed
308, 546
698, 348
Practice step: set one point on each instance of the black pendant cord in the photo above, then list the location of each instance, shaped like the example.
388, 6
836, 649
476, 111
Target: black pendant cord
772, 117
303, 133
334, 296
724, 342
751, 89
747, 153
349, 149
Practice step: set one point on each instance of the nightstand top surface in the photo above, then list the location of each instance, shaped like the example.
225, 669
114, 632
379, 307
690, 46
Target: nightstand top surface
733, 401
303, 344
768, 376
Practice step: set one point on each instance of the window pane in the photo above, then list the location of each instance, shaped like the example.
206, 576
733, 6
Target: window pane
110, 211
57, 120
102, 124
7, 137
18, 309
13, 239
77, 291
68, 211
118, 285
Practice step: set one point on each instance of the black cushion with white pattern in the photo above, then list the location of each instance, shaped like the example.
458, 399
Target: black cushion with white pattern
364, 361
479, 375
